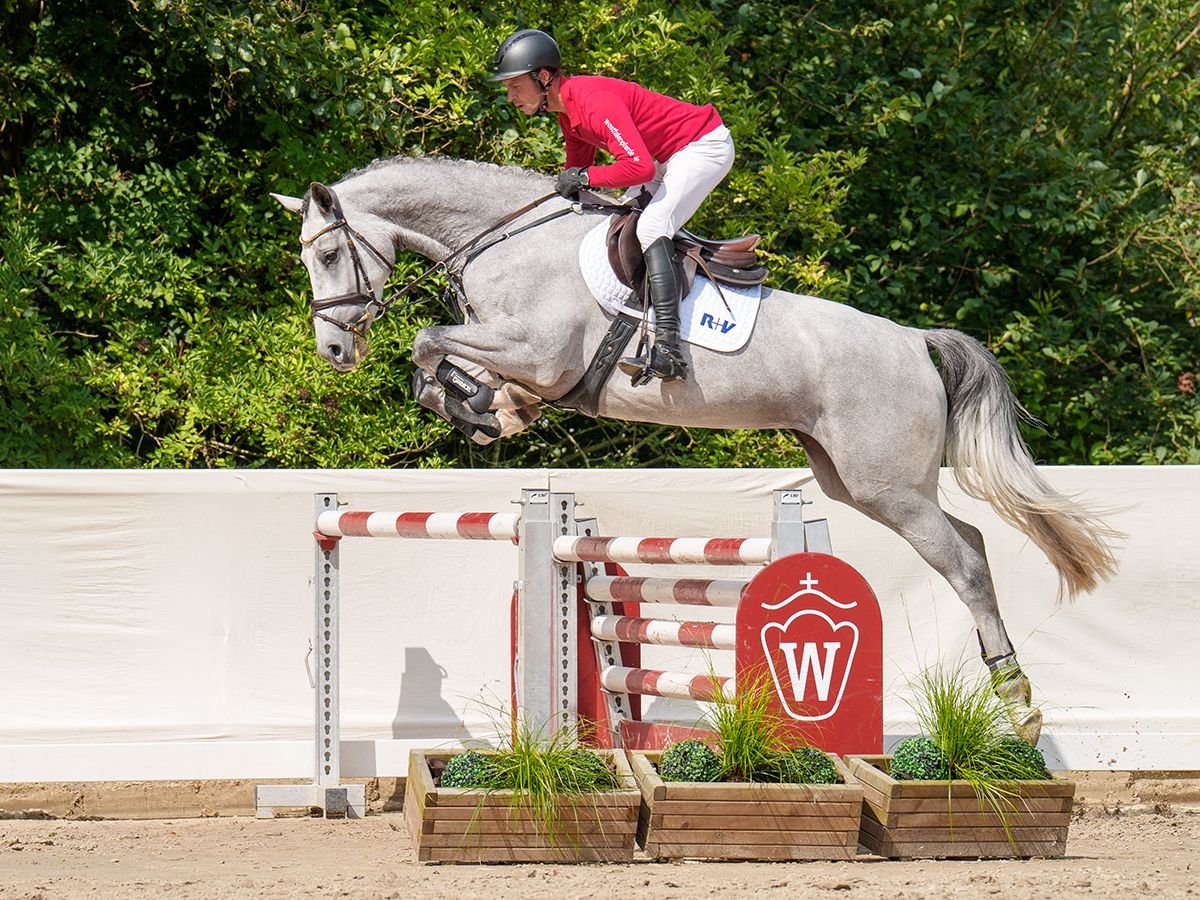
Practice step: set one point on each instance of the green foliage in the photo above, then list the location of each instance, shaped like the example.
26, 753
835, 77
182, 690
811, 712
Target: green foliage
1031, 178
756, 744
471, 769
920, 758
806, 765
1017, 760
538, 768
1027, 173
750, 731
689, 761
967, 722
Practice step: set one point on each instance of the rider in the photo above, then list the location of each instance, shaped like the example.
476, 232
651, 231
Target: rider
673, 150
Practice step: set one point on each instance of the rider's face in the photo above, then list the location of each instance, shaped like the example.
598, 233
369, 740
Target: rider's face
523, 94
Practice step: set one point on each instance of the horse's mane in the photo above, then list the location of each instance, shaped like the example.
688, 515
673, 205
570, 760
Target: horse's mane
448, 162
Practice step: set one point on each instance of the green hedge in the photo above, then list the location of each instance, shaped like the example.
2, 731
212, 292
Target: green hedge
1024, 172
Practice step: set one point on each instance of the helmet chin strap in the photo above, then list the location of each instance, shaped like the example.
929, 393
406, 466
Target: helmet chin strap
545, 89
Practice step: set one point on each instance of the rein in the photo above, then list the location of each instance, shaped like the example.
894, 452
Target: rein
374, 308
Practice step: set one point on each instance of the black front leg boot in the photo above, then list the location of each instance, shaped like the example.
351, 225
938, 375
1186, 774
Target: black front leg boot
480, 434
466, 398
664, 284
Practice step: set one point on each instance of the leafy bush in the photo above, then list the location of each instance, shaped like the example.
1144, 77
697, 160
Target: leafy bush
1026, 173
966, 724
919, 758
539, 769
592, 769
689, 761
806, 765
750, 731
1015, 759
756, 742
471, 769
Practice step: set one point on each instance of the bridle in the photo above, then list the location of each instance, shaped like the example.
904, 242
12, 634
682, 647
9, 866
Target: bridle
367, 298
374, 308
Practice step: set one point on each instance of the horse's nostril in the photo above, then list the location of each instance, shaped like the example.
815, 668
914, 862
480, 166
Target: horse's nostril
335, 351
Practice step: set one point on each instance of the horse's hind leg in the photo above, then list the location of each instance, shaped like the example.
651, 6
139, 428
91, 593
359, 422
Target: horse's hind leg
952, 547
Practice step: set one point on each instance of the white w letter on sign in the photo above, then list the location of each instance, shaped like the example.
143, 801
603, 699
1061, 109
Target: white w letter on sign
821, 673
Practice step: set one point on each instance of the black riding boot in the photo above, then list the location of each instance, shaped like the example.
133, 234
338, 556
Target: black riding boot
664, 284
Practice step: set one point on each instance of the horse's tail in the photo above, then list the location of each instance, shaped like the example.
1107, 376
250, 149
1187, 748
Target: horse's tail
991, 462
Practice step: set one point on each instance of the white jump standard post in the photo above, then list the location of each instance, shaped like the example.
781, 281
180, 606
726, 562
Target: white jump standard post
545, 666
546, 671
326, 792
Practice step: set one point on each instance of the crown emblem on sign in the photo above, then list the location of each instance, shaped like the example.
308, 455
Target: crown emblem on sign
810, 656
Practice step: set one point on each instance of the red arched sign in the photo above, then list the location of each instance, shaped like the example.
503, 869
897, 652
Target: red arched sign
810, 625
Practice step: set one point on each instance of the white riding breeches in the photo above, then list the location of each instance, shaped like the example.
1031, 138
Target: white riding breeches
681, 184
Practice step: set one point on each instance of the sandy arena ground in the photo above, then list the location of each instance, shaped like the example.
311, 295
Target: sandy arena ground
1109, 855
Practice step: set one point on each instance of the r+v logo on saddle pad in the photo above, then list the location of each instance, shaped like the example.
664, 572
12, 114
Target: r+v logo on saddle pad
723, 325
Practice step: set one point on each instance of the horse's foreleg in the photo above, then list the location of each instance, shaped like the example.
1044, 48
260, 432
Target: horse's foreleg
503, 347
510, 413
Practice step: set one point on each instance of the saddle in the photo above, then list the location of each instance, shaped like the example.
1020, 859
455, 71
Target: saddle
733, 262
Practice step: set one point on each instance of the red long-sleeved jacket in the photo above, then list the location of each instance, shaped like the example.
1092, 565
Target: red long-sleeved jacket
636, 125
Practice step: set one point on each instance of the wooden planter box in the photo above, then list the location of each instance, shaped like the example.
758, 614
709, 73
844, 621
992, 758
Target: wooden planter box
944, 819
476, 826
727, 820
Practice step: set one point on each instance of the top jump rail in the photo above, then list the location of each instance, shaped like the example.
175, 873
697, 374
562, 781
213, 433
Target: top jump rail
447, 526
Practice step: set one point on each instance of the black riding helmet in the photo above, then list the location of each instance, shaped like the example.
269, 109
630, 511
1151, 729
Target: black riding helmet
525, 51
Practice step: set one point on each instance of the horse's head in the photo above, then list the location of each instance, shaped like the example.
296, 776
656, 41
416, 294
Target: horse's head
348, 265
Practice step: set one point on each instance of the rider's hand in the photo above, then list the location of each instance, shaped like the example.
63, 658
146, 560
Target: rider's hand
571, 182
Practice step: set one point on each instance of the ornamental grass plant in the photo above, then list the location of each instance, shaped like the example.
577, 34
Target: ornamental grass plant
966, 735
538, 771
750, 732
754, 744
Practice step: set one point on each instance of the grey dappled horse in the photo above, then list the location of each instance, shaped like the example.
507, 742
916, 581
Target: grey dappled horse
874, 413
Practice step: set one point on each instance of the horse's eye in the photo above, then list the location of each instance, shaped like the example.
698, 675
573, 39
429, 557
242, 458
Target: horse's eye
329, 257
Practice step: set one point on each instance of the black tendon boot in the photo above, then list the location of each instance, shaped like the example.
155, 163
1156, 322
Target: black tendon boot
664, 284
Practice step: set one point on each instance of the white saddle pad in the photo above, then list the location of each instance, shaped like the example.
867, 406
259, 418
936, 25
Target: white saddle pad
704, 319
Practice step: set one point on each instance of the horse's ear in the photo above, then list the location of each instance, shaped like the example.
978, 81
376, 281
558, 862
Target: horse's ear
322, 195
291, 204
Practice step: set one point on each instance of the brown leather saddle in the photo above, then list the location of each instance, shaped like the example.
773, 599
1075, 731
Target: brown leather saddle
733, 262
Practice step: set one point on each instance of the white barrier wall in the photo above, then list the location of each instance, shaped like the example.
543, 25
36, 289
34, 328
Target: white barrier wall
156, 624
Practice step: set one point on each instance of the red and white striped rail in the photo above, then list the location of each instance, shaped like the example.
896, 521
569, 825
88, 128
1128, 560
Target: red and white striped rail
683, 591
712, 635
470, 526
624, 680
684, 551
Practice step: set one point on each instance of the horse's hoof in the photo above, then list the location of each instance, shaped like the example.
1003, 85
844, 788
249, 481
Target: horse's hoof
456, 409
1026, 719
425, 389
1028, 726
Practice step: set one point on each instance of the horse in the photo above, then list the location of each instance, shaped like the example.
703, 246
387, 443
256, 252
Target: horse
873, 410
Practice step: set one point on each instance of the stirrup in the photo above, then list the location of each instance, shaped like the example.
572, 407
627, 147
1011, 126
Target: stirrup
667, 365
637, 367
633, 365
